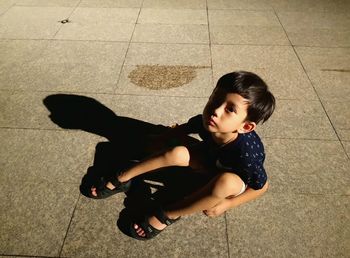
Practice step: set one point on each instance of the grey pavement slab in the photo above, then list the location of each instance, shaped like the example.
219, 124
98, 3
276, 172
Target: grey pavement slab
26, 110
21, 22
108, 24
35, 216
61, 3
250, 35
329, 73
290, 225
324, 59
238, 4
171, 33
64, 66
53, 156
243, 17
246, 27
337, 6
111, 3
5, 5
168, 54
277, 65
316, 28
346, 145
17, 60
339, 114
173, 16
331, 85
169, 4
298, 119
187, 237
314, 166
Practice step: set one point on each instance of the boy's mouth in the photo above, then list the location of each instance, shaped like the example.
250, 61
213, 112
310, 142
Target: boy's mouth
211, 122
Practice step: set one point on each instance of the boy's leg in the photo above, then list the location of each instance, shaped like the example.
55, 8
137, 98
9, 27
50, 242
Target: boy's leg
219, 188
177, 156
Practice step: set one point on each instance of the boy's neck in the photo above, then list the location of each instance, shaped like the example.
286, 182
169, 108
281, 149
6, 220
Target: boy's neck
224, 138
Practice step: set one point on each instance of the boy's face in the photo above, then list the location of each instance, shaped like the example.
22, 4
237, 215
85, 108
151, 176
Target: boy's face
226, 113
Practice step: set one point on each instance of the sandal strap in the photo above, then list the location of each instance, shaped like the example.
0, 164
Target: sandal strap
119, 185
160, 215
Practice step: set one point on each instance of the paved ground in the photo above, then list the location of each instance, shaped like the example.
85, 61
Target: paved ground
300, 47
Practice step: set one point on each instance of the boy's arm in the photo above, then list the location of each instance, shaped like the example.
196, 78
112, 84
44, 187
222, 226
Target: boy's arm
175, 135
248, 195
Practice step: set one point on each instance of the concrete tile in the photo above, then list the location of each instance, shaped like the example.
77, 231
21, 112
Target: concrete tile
324, 59
239, 4
306, 166
336, 6
220, 34
35, 216
17, 60
112, 32
169, 33
180, 4
303, 36
104, 15
290, 225
166, 54
26, 110
346, 145
331, 85
164, 110
316, 29
200, 86
71, 66
62, 3
328, 71
32, 22
110, 24
339, 114
111, 3
6, 5
298, 119
172, 16
53, 156
246, 27
243, 17
188, 237
277, 65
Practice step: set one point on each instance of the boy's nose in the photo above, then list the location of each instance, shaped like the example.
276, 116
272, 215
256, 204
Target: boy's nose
218, 111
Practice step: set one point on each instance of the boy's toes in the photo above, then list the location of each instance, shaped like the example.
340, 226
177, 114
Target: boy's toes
93, 191
139, 231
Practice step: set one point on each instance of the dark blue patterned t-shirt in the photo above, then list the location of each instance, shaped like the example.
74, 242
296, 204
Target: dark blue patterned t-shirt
244, 156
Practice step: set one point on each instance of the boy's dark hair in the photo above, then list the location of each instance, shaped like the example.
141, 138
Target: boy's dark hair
251, 87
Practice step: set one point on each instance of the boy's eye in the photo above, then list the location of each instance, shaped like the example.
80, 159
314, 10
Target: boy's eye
231, 109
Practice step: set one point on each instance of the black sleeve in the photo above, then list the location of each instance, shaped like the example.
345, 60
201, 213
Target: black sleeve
194, 124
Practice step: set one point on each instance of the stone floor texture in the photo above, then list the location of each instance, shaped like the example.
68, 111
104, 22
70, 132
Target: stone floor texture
89, 47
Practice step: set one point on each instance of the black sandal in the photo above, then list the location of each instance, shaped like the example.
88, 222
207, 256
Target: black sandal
150, 231
103, 191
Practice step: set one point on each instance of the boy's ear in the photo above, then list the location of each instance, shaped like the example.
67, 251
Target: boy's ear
247, 127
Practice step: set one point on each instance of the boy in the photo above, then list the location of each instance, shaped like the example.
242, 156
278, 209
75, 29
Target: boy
230, 149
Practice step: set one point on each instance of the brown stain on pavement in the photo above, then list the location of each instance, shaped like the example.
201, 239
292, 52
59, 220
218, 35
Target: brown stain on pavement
159, 77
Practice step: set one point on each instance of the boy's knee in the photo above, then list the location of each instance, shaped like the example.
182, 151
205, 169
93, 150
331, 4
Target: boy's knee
227, 184
178, 156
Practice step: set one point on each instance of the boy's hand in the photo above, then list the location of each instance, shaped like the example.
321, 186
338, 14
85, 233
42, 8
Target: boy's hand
217, 210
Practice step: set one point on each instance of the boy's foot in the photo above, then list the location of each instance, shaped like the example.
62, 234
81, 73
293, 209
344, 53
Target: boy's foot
109, 185
104, 189
152, 226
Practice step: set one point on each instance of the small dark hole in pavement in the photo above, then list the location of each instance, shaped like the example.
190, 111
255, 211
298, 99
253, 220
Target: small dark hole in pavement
64, 21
